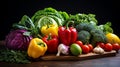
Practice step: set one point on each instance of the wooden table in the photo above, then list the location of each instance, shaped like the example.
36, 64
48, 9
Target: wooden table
113, 61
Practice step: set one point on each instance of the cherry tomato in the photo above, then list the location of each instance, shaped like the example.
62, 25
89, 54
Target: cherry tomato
80, 43
108, 47
116, 46
85, 49
90, 47
101, 44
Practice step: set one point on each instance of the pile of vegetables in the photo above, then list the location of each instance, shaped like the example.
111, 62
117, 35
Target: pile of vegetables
50, 31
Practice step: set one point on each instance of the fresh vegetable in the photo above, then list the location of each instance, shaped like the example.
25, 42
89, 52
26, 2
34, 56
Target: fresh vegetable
51, 15
84, 36
67, 35
83, 18
85, 26
62, 49
108, 47
85, 49
65, 15
27, 24
91, 47
49, 29
52, 42
97, 36
101, 44
37, 48
116, 46
106, 28
18, 40
79, 43
75, 49
13, 56
98, 50
112, 38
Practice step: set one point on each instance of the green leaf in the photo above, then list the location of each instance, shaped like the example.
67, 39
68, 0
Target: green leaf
26, 33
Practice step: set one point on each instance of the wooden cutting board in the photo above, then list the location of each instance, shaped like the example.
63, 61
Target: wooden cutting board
80, 57
70, 57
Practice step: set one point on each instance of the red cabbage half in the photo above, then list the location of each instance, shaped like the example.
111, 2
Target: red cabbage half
16, 40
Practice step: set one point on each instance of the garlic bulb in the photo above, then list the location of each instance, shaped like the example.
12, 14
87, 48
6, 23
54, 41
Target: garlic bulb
98, 50
62, 49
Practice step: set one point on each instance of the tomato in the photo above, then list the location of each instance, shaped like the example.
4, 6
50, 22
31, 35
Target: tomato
90, 47
80, 43
101, 44
108, 47
116, 46
85, 49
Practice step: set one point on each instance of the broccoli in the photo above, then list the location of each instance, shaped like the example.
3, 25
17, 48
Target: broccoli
84, 36
97, 35
85, 26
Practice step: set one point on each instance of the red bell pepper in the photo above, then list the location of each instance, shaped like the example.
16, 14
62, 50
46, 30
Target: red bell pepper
52, 42
67, 35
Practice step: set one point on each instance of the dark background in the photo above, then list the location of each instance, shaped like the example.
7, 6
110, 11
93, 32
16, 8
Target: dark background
13, 10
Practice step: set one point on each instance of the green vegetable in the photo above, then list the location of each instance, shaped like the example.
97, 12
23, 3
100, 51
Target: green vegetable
106, 28
83, 18
85, 26
27, 24
84, 36
51, 15
13, 56
97, 36
64, 15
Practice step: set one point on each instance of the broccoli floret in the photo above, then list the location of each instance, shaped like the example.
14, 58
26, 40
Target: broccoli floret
85, 26
84, 36
97, 36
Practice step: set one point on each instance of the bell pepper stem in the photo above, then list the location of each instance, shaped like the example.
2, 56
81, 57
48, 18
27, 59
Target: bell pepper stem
41, 44
49, 37
67, 25
48, 25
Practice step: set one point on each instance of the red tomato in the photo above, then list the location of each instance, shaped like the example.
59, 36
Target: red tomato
90, 47
85, 49
80, 43
108, 47
116, 46
101, 44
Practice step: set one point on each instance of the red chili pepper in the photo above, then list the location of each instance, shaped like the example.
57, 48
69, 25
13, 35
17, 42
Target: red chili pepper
67, 35
52, 42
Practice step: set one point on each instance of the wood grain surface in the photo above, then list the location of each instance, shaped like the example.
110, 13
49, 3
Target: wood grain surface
80, 57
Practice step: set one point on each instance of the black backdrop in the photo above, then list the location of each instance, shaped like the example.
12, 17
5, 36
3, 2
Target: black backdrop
13, 10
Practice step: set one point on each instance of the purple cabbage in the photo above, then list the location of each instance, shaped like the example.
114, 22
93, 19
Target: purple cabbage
17, 41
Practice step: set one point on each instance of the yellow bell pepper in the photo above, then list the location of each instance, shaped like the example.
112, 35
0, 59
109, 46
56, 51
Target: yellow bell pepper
36, 48
47, 29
